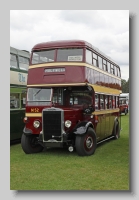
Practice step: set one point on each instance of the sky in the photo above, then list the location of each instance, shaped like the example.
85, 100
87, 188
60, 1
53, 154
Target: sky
108, 30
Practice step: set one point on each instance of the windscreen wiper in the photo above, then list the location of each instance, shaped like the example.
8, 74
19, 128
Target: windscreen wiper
37, 92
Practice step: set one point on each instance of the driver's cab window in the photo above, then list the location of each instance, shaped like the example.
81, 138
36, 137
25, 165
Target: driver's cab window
73, 100
80, 96
58, 97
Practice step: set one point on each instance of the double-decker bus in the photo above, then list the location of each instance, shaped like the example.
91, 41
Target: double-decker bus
19, 63
72, 98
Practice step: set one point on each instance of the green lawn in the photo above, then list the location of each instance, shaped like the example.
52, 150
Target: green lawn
58, 169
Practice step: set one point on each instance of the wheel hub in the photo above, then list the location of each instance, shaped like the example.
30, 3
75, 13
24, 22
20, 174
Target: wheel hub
89, 142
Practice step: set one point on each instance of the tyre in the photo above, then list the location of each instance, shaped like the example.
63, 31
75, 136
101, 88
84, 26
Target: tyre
116, 132
126, 112
86, 144
29, 144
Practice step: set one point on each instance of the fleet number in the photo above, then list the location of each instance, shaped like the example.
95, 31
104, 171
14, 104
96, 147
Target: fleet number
35, 110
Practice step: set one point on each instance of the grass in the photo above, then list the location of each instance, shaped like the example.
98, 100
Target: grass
58, 169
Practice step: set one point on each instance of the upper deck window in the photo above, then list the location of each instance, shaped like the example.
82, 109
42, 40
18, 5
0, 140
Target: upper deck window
115, 68
104, 65
23, 63
108, 67
95, 60
112, 69
100, 62
118, 70
43, 56
13, 61
88, 56
70, 55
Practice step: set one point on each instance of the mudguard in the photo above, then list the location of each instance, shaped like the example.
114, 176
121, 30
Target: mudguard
115, 120
27, 131
81, 128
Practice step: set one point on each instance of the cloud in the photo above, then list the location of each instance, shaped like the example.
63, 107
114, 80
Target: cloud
108, 30
98, 19
125, 72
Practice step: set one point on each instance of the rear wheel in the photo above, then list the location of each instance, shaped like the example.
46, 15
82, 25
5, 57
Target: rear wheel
126, 111
86, 144
30, 144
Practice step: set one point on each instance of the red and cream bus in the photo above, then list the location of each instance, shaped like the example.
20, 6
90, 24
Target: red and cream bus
72, 98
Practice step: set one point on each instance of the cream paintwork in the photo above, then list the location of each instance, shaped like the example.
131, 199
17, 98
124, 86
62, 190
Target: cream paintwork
18, 78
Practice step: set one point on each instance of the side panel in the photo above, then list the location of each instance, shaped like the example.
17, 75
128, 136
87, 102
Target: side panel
18, 78
104, 124
16, 123
17, 114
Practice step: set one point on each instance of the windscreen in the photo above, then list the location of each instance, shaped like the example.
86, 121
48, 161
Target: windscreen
39, 96
70, 54
43, 56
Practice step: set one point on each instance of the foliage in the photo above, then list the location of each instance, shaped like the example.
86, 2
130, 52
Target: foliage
125, 85
58, 169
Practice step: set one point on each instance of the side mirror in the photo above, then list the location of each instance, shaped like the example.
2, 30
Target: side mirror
89, 110
93, 108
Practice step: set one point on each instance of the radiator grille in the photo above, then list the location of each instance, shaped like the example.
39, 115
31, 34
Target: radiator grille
52, 125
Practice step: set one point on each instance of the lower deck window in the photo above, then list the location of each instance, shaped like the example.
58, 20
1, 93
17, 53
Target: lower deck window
14, 100
106, 101
17, 100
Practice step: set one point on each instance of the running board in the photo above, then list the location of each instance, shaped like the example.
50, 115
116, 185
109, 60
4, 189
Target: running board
105, 139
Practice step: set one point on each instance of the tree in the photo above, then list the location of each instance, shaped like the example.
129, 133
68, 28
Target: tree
125, 85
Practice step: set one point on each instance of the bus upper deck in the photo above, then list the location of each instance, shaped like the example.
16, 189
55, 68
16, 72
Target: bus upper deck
72, 62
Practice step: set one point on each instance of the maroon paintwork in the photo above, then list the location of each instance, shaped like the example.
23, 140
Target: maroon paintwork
61, 43
75, 114
72, 74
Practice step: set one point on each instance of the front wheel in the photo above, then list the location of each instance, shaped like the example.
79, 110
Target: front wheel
86, 144
30, 144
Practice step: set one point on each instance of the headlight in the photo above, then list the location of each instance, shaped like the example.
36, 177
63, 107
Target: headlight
25, 119
36, 124
67, 123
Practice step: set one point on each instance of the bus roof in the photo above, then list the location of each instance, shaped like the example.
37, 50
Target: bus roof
61, 43
23, 53
69, 43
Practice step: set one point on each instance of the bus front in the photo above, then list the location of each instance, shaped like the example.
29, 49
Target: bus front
59, 102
